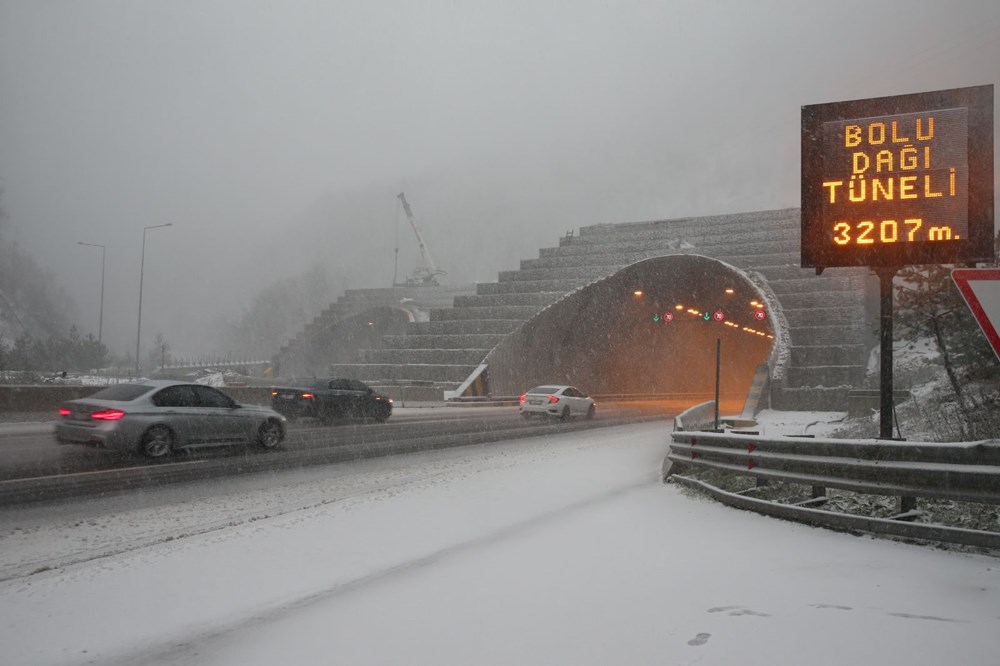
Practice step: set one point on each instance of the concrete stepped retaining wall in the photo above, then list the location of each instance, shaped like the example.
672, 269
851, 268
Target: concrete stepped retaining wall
829, 318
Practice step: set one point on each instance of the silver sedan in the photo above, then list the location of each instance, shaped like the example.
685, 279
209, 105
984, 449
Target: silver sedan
155, 417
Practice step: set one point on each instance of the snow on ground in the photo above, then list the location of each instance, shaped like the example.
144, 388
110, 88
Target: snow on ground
559, 550
772, 423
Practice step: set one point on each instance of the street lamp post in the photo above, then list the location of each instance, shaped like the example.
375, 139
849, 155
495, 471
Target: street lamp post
142, 267
100, 322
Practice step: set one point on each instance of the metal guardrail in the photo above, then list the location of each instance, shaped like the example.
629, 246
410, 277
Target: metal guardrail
967, 472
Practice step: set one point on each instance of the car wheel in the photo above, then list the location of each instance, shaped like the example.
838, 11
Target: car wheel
565, 413
591, 411
270, 434
382, 416
157, 442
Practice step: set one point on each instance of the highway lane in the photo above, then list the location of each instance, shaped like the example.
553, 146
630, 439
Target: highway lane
30, 449
34, 466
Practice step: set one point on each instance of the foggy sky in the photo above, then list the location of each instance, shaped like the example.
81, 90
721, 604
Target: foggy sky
275, 135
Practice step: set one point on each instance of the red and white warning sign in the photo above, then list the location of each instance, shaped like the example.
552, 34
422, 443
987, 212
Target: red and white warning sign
981, 289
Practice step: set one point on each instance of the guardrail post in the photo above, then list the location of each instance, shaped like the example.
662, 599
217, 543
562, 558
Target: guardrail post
906, 505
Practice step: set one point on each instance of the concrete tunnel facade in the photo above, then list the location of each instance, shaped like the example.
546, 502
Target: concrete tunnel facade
651, 328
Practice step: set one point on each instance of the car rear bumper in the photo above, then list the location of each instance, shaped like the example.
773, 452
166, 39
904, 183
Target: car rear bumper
291, 410
549, 409
70, 433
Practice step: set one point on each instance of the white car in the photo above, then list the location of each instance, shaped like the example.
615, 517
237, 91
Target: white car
560, 401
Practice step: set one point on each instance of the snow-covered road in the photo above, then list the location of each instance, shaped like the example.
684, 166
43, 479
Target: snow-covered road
559, 550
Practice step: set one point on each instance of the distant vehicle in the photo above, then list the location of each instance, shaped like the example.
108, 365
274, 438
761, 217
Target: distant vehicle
330, 399
156, 417
556, 400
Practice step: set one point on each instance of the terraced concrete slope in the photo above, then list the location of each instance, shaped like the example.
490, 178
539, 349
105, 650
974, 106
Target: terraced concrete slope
827, 321
360, 319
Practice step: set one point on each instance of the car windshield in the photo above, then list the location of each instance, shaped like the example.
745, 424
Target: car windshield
279, 279
122, 392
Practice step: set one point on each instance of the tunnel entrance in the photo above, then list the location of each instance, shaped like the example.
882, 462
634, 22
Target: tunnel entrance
651, 328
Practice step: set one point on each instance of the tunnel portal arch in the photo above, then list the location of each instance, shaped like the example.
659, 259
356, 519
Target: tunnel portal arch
649, 328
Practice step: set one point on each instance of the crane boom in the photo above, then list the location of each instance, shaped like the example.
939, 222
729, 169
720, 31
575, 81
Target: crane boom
427, 272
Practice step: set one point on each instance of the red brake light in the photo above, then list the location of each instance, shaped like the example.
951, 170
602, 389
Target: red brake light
308, 396
522, 398
107, 415
553, 399
64, 412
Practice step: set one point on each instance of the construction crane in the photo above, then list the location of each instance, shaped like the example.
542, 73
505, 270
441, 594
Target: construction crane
427, 271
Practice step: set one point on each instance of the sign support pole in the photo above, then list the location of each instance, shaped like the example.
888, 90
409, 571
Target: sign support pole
718, 366
885, 277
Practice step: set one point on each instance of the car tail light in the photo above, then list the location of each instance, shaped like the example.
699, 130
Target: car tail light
107, 415
308, 396
274, 393
522, 397
64, 412
553, 399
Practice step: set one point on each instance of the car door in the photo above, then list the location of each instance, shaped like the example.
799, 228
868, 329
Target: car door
220, 417
360, 398
176, 407
575, 399
341, 397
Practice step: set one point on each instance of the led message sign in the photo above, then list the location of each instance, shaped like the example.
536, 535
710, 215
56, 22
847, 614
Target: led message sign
898, 180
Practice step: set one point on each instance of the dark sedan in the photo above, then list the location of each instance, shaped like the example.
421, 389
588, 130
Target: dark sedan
155, 417
331, 399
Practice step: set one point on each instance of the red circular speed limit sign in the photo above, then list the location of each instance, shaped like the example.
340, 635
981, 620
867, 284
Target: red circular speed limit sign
668, 317
718, 315
759, 315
